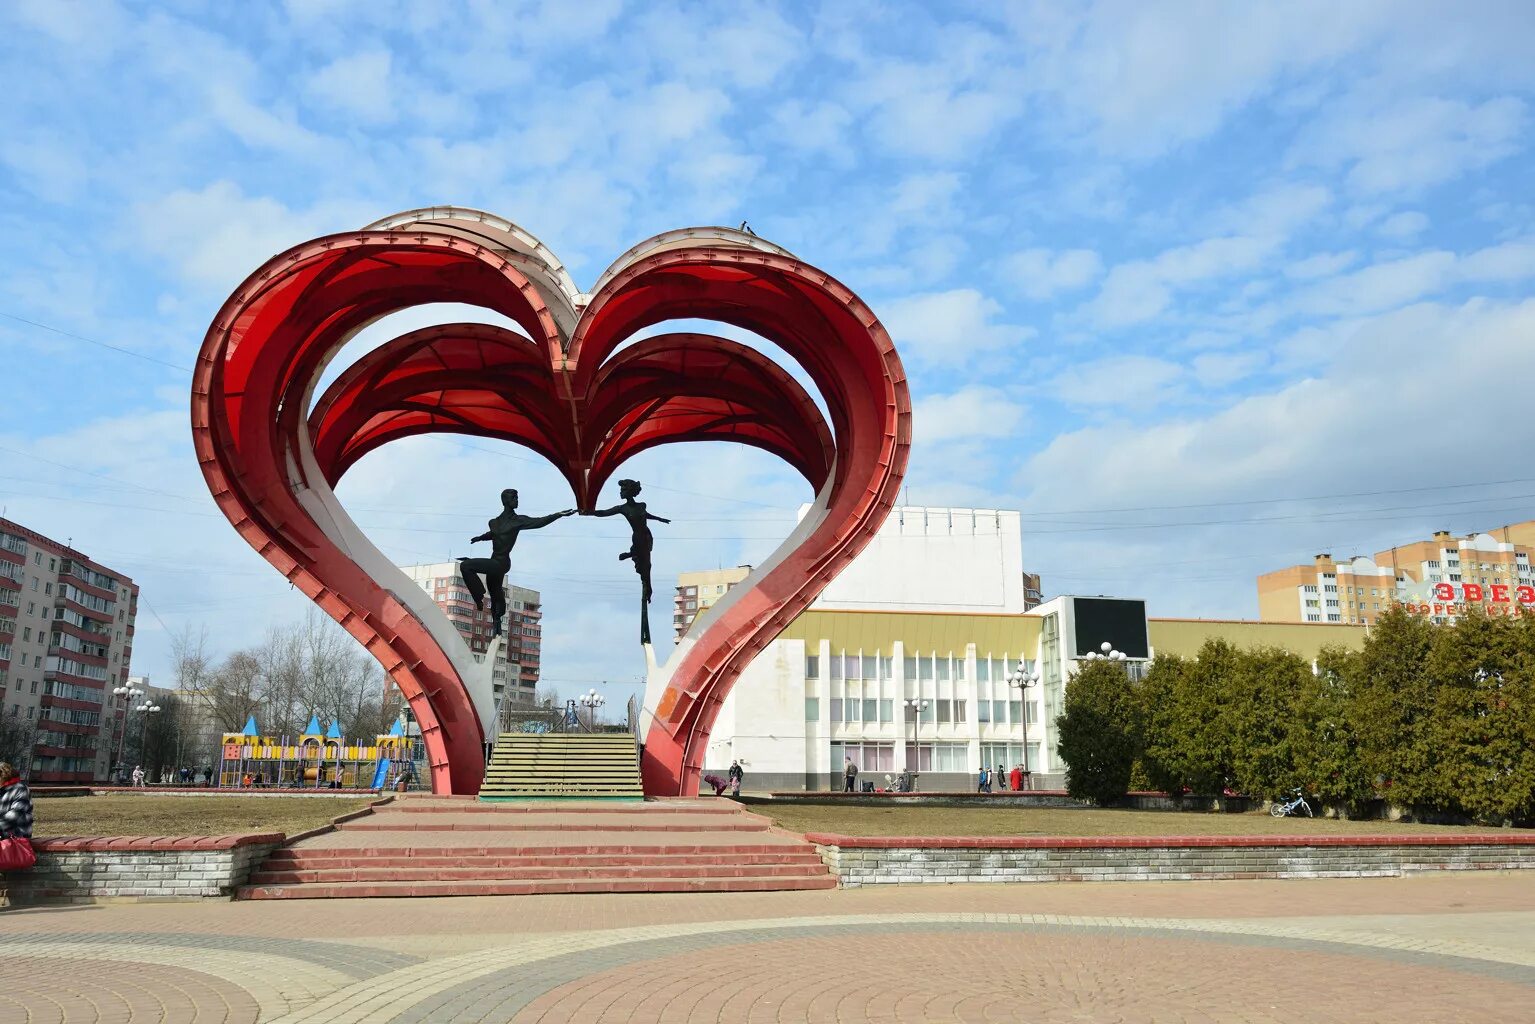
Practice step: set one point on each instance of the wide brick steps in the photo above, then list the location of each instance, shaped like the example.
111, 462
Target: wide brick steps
541, 826
545, 887
568, 766
659, 868
436, 846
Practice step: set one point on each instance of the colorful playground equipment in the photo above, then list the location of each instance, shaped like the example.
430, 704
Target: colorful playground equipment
317, 761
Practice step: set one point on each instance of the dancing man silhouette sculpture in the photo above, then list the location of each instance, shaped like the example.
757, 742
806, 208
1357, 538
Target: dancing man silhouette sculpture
502, 535
641, 545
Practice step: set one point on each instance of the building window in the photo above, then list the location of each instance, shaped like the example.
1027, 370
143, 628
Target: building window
940, 757
812, 666
836, 709
999, 712
982, 670
887, 710
870, 710
812, 709
983, 711
959, 711
945, 712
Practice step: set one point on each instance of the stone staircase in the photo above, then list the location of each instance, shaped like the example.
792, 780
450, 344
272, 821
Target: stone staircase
583, 766
457, 846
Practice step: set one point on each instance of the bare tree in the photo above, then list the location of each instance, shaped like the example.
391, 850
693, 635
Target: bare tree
17, 736
282, 661
234, 692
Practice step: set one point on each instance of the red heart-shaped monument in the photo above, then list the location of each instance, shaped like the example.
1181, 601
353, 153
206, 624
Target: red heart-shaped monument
271, 452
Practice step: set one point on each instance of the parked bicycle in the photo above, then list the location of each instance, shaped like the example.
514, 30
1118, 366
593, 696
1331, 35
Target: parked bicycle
1295, 806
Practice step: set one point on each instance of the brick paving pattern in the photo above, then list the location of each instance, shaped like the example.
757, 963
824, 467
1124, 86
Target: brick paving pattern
1424, 949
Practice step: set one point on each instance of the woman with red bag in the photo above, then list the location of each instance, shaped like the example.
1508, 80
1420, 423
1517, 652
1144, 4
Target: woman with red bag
15, 821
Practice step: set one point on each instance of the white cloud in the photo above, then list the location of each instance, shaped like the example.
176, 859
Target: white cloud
950, 326
1322, 264
1406, 224
357, 85
217, 235
1139, 82
1141, 290
1406, 145
1341, 428
818, 127
1043, 273
1398, 282
1119, 381
974, 413
1220, 369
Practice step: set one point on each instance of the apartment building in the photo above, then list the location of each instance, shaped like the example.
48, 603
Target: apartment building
66, 640
1435, 577
697, 591
1033, 594
518, 668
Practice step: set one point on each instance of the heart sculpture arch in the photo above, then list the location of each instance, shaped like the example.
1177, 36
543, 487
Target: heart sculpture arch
272, 453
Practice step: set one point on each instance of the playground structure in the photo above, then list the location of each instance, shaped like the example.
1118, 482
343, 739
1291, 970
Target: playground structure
317, 761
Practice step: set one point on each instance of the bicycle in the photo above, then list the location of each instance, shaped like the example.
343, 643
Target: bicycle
1293, 806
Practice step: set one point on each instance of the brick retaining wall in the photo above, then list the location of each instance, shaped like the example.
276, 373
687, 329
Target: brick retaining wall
83, 870
870, 860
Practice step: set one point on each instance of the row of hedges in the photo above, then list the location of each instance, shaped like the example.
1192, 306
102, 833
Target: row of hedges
1439, 719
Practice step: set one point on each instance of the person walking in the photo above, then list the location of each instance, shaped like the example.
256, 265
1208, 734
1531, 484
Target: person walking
849, 777
737, 773
138, 775
15, 821
983, 781
1015, 778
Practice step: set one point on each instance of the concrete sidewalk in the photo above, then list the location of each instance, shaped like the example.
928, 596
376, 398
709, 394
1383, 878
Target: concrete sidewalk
1452, 947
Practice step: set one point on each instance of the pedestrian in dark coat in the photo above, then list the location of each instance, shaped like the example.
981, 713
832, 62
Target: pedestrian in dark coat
15, 804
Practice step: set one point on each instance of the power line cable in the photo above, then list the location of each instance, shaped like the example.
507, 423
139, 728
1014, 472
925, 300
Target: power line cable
92, 341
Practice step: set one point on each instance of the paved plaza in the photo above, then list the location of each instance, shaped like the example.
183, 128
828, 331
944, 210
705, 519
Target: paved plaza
1444, 947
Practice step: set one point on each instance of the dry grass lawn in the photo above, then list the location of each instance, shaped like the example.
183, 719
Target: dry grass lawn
1049, 821
185, 815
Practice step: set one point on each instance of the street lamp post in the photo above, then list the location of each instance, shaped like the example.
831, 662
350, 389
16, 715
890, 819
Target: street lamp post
591, 700
917, 705
1021, 679
128, 693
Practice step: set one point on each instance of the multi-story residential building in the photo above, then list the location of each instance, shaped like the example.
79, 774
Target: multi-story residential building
66, 640
515, 675
1436, 577
697, 591
1033, 596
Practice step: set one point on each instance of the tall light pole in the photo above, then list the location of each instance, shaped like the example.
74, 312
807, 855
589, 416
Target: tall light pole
145, 709
128, 693
917, 705
1021, 679
591, 700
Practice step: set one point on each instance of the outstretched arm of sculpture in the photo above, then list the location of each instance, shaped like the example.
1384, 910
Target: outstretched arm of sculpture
535, 522
483, 536
656, 518
615, 510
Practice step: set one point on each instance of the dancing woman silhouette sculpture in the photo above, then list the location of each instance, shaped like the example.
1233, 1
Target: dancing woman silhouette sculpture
639, 547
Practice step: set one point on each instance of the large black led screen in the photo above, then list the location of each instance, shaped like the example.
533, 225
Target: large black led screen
1121, 623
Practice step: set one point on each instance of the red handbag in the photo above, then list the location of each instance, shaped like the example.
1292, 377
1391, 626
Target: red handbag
16, 854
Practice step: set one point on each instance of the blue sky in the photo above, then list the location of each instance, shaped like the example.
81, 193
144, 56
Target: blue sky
1202, 288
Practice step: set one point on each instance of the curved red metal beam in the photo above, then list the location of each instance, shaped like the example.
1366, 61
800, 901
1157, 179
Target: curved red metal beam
266, 347
827, 329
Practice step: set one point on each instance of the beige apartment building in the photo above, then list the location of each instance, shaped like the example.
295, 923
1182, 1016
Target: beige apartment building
696, 591
1356, 590
66, 641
